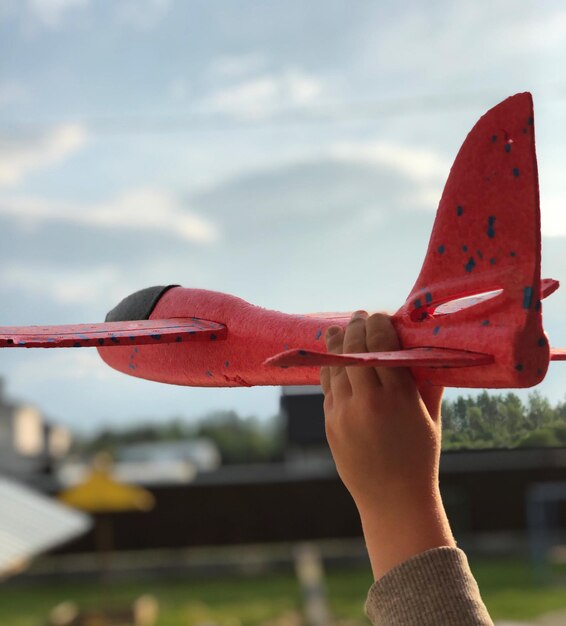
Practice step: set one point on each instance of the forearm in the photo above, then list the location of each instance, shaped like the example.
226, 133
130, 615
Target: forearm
385, 436
407, 526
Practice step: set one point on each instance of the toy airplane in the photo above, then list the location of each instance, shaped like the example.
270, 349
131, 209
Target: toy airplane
473, 318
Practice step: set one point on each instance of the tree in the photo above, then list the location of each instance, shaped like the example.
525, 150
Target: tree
513, 417
539, 411
478, 424
540, 437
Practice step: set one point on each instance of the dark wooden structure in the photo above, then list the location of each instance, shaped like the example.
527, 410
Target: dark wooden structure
483, 492
303, 499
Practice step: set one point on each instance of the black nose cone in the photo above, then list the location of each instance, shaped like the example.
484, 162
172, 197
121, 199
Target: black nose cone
138, 305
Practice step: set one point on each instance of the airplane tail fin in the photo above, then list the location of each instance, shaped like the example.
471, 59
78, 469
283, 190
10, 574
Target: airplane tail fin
479, 287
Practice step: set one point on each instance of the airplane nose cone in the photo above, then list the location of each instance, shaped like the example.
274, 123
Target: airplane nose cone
138, 305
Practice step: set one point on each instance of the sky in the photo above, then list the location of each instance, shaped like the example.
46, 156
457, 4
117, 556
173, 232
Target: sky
289, 153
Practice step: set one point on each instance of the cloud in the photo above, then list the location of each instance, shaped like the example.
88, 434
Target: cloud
65, 285
142, 209
263, 96
50, 13
424, 169
238, 65
179, 89
11, 93
417, 164
553, 187
443, 47
60, 365
142, 15
313, 222
553, 215
19, 158
540, 33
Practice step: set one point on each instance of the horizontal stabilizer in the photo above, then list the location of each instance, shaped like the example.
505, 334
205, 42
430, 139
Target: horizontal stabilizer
129, 333
414, 357
547, 287
558, 354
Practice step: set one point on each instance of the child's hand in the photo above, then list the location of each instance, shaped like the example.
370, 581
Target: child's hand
385, 438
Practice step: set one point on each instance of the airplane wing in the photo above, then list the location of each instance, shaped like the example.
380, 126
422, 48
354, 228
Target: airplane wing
558, 354
413, 357
110, 334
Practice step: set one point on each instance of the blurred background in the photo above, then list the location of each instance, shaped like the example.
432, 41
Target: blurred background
292, 154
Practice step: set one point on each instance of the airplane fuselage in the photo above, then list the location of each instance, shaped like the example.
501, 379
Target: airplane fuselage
253, 335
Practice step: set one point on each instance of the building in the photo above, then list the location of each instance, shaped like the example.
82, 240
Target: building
488, 495
153, 463
29, 445
305, 438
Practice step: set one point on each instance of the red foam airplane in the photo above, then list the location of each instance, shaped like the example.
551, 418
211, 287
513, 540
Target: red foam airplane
473, 318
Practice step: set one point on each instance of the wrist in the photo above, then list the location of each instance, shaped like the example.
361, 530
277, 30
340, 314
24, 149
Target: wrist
404, 526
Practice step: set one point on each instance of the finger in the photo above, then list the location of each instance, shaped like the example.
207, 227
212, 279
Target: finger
325, 379
382, 337
432, 397
355, 341
339, 383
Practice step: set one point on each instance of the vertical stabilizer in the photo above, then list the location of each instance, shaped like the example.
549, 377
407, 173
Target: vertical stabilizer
479, 287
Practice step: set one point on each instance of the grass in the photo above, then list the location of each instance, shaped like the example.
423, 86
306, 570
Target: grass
509, 592
507, 588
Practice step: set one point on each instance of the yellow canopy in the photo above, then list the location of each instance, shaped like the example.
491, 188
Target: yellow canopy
100, 493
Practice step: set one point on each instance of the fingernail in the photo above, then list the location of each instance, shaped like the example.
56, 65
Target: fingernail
331, 331
359, 314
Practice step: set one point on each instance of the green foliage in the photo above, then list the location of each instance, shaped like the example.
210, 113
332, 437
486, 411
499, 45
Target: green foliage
560, 432
239, 439
242, 440
484, 421
502, 421
540, 437
111, 439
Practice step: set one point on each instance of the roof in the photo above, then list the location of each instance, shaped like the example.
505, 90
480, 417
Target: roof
201, 452
100, 492
502, 459
301, 390
31, 523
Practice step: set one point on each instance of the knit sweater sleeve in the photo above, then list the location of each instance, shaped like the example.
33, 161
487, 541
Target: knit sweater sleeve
434, 588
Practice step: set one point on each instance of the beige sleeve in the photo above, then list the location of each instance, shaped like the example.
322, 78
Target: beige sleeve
435, 588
